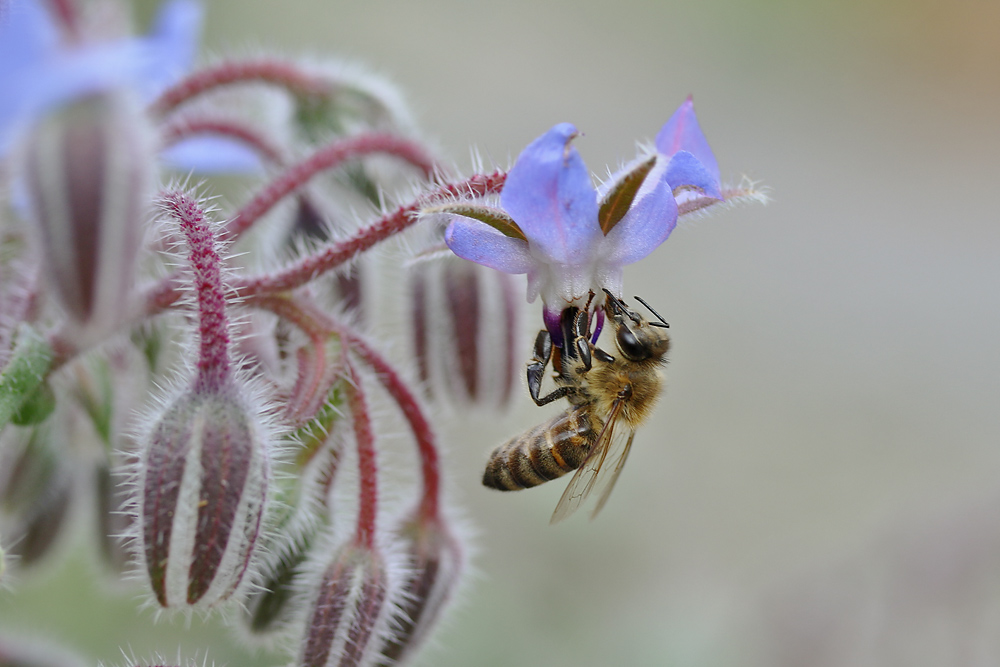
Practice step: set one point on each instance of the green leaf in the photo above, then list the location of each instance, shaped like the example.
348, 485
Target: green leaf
493, 217
619, 199
25, 372
36, 407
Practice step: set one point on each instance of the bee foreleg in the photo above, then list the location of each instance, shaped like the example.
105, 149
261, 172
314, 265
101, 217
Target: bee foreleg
576, 334
603, 356
536, 371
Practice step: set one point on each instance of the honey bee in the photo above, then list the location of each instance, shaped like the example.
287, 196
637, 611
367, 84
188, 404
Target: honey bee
610, 396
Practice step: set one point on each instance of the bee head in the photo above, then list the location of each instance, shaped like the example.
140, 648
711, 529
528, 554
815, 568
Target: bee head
636, 338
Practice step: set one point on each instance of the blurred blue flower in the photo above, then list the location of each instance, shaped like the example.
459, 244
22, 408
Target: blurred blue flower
40, 71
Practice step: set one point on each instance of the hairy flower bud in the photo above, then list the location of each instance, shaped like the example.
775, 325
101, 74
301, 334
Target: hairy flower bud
88, 166
348, 618
36, 486
202, 493
466, 325
436, 562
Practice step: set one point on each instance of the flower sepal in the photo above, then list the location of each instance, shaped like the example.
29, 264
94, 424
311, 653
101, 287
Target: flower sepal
622, 193
493, 216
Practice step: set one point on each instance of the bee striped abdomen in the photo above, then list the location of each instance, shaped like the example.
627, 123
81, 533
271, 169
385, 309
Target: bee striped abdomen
547, 451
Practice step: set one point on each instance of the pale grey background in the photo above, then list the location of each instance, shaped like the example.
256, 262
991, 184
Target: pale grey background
831, 406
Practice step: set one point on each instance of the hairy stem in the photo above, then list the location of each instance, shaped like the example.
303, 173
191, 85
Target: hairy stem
275, 72
182, 128
165, 294
367, 465
313, 322
326, 158
333, 255
214, 371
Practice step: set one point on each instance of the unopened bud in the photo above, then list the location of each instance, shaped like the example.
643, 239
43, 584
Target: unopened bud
36, 486
436, 562
203, 487
88, 167
348, 619
465, 320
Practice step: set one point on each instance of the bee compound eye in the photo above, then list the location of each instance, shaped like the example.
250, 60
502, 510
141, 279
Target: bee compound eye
630, 345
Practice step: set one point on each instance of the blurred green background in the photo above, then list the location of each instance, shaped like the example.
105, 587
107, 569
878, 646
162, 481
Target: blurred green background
821, 483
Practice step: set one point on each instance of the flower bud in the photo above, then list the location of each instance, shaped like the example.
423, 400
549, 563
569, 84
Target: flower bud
36, 486
466, 321
348, 619
88, 167
202, 493
436, 562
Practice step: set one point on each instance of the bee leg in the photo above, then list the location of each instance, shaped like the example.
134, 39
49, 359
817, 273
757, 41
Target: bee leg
536, 371
576, 333
603, 356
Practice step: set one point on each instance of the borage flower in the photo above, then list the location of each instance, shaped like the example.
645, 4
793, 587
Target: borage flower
571, 239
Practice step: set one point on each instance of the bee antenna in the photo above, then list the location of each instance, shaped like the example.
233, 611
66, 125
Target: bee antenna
615, 302
661, 323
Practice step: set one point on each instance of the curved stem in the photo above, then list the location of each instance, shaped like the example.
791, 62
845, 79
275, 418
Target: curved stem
275, 72
167, 292
182, 128
330, 257
367, 463
325, 158
312, 322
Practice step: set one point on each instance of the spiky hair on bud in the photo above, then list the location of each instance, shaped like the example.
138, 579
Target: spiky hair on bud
202, 479
158, 660
275, 603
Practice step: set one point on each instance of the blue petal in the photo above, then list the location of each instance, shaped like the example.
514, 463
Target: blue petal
28, 38
212, 155
480, 243
175, 36
550, 195
682, 133
37, 73
646, 225
685, 169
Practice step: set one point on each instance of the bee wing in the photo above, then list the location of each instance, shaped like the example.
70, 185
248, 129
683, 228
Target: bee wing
609, 480
592, 472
